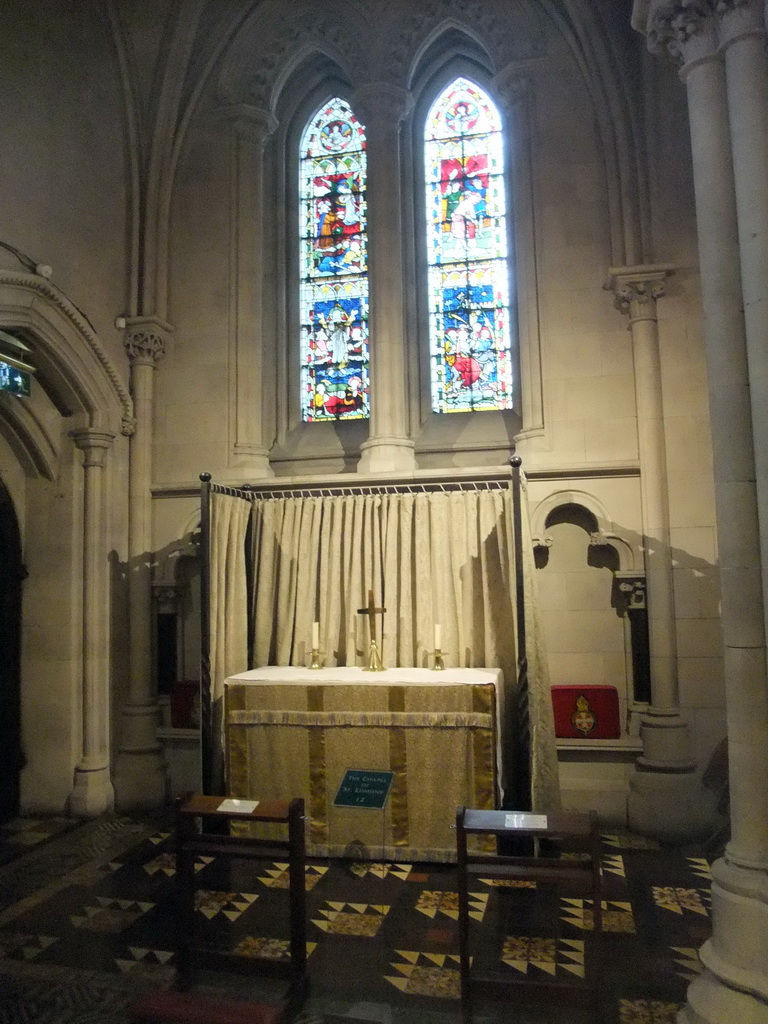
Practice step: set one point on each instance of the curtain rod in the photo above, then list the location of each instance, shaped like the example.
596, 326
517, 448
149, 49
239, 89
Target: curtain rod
250, 492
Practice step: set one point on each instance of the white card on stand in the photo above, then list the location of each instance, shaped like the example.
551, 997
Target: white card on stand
233, 806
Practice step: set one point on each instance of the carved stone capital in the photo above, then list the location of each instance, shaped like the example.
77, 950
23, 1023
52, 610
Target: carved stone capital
510, 88
636, 289
381, 104
632, 588
145, 339
94, 444
683, 28
251, 123
739, 19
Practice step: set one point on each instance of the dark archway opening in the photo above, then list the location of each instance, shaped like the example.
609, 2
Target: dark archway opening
11, 575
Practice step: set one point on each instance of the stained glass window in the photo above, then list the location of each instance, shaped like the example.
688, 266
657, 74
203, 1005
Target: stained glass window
469, 321
334, 279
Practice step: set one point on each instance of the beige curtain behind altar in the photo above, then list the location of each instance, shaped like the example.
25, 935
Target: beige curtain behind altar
228, 604
436, 557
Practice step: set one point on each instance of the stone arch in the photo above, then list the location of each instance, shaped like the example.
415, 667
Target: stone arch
274, 42
447, 41
72, 366
516, 33
602, 533
28, 435
63, 482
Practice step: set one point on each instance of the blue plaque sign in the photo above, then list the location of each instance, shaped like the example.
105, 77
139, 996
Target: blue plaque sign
363, 788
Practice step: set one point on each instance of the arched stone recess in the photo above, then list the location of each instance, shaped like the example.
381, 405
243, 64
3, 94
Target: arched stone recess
594, 42
276, 39
58, 445
513, 33
604, 533
598, 623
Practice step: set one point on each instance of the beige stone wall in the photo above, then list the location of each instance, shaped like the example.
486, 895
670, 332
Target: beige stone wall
62, 203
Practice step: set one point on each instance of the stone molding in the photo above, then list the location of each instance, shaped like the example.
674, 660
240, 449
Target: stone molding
692, 30
258, 64
253, 73
672, 26
146, 339
501, 33
510, 87
34, 283
94, 445
382, 103
249, 122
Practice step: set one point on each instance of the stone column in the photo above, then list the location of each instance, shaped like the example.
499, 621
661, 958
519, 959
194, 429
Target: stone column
734, 984
389, 449
665, 798
93, 793
250, 440
742, 37
140, 771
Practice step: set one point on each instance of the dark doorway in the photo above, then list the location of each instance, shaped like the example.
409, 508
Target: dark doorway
11, 575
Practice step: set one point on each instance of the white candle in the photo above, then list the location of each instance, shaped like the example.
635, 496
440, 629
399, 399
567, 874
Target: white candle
438, 637
315, 636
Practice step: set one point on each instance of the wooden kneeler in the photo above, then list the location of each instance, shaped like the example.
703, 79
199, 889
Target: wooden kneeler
167, 1006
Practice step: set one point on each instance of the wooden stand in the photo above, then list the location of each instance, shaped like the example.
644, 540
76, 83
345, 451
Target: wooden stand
578, 831
191, 843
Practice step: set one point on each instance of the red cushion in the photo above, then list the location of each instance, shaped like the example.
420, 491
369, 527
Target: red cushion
191, 1008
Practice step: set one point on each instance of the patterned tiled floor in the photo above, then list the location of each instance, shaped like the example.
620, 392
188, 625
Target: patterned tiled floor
87, 921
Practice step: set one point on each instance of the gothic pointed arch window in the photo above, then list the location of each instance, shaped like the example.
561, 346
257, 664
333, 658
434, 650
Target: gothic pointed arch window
333, 293
467, 252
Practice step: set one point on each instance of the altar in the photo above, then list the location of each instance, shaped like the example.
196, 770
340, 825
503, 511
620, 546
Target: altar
296, 732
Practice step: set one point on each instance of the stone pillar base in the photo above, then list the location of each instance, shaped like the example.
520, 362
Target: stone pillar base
92, 793
141, 774
671, 806
666, 745
734, 985
709, 1001
387, 455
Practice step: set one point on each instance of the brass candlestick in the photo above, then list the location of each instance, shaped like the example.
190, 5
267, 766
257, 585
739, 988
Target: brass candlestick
315, 662
374, 658
439, 664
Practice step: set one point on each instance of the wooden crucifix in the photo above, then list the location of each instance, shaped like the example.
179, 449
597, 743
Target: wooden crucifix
374, 658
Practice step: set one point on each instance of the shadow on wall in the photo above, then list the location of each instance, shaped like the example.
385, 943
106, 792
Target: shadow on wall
696, 585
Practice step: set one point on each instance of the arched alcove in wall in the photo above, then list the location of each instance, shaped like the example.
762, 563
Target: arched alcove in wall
584, 567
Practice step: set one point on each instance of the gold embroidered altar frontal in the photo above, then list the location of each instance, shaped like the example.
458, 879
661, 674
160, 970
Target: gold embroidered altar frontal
295, 732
